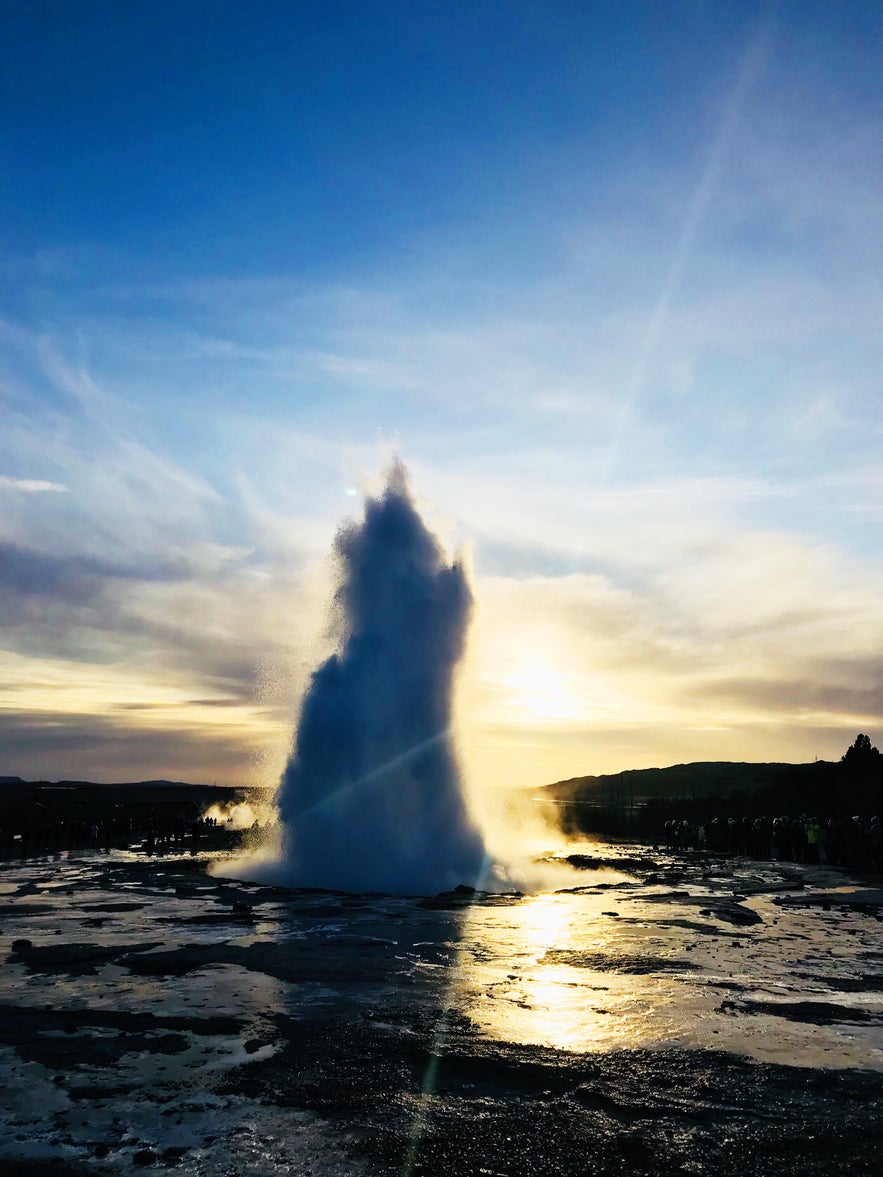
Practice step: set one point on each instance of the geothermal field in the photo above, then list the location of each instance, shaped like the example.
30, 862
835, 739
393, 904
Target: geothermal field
670, 1015
374, 990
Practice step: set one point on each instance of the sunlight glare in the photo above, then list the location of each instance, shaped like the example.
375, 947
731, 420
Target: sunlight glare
540, 693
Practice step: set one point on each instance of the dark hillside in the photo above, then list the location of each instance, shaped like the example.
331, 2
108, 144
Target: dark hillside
640, 801
680, 781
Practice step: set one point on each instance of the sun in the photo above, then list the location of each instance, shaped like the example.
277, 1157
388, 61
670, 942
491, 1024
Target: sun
540, 693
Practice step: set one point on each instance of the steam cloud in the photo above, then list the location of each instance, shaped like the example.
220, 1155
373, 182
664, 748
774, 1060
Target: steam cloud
238, 816
371, 798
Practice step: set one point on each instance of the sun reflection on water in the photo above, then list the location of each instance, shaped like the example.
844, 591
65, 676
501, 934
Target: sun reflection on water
546, 922
522, 992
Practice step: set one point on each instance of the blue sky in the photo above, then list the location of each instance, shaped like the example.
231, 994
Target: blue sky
608, 278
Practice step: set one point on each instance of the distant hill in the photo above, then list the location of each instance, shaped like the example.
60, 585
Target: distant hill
226, 790
42, 784
712, 778
641, 800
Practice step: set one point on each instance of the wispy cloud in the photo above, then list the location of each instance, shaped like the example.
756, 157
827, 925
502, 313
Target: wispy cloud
32, 485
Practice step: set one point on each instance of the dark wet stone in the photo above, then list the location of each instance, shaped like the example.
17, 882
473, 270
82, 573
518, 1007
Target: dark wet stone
464, 897
863, 983
15, 910
866, 900
704, 929
603, 962
94, 1092
724, 908
73, 959
144, 1157
54, 1167
523, 1111
593, 862
208, 918
816, 1013
33, 1034
789, 881
112, 906
287, 961
732, 913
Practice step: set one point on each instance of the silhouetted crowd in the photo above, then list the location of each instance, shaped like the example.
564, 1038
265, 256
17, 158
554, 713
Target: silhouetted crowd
854, 842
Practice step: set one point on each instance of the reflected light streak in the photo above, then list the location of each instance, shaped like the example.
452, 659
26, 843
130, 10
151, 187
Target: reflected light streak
501, 981
375, 776
748, 72
542, 922
454, 987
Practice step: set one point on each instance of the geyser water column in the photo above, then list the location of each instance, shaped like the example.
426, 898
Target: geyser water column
371, 798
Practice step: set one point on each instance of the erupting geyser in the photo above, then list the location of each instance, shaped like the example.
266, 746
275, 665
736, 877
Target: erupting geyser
371, 798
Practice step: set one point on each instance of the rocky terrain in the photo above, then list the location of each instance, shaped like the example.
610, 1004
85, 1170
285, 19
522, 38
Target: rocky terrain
659, 1014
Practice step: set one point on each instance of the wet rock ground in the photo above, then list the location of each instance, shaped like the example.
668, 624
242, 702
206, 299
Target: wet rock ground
655, 1015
